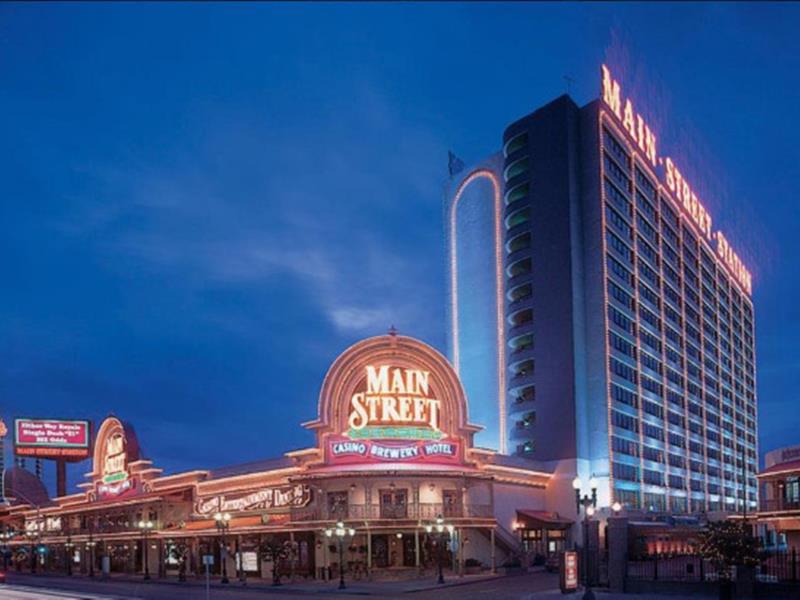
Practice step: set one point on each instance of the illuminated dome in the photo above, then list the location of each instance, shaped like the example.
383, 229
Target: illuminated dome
23, 487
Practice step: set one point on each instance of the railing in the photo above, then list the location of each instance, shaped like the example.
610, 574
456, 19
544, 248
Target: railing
779, 567
778, 504
774, 567
685, 567
421, 511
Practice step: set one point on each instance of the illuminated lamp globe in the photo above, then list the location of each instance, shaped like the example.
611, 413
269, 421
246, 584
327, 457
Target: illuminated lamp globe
593, 483
576, 484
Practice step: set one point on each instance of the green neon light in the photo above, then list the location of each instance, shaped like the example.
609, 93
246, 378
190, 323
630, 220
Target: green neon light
395, 433
115, 477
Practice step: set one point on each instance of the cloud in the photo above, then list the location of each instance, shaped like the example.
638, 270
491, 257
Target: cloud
335, 219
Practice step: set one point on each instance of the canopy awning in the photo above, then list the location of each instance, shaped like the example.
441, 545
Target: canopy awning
540, 519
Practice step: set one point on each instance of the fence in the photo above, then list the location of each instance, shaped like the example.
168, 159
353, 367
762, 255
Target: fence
683, 567
775, 567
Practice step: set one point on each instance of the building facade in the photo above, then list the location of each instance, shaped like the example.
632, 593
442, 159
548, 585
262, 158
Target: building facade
779, 502
628, 335
394, 451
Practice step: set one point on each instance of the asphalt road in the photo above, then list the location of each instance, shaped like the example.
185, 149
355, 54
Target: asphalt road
524, 587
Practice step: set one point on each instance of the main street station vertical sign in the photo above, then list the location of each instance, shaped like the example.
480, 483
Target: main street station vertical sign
392, 399
116, 458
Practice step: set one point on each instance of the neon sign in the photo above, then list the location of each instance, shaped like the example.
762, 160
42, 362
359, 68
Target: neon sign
290, 496
396, 403
358, 451
635, 125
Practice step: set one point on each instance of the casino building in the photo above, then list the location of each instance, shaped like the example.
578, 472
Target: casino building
595, 315
394, 451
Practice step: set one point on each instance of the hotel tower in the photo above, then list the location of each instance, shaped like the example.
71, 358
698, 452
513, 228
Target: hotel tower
596, 317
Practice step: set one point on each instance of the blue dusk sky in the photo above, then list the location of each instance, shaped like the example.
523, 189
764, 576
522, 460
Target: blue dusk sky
201, 205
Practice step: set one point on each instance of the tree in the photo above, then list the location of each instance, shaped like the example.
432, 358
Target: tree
274, 550
726, 544
179, 552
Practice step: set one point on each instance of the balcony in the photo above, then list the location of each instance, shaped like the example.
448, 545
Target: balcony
422, 511
778, 504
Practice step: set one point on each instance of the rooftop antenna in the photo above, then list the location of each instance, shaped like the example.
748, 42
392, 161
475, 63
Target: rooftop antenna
568, 80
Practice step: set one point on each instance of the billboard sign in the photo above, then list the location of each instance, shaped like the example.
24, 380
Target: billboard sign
60, 439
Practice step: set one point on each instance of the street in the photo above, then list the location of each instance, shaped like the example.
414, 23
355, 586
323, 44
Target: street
26, 587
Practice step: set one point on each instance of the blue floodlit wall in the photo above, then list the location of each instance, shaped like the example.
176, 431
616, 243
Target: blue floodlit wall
477, 310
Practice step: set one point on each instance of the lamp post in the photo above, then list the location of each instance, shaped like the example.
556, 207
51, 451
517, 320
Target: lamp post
68, 546
340, 531
90, 544
439, 527
223, 521
34, 549
589, 504
146, 527
6, 536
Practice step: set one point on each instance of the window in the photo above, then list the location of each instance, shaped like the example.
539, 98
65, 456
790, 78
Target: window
518, 218
619, 201
624, 421
622, 345
652, 386
652, 408
649, 295
652, 454
624, 446
623, 395
626, 472
676, 481
515, 143
616, 148
620, 320
620, 247
651, 363
521, 267
520, 292
653, 477
518, 192
520, 242
676, 419
650, 340
516, 168
619, 270
614, 217
622, 370
653, 431
523, 342
620, 295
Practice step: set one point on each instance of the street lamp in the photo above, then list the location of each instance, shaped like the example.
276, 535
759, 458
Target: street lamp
90, 544
146, 527
589, 504
68, 545
439, 527
340, 531
6, 535
34, 548
223, 521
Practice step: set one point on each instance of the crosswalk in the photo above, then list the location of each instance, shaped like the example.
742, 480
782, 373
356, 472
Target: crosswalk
23, 592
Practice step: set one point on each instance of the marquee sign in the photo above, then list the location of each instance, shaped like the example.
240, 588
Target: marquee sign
392, 399
685, 195
116, 448
395, 403
360, 451
282, 497
52, 438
